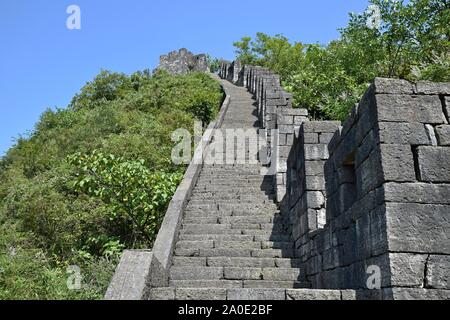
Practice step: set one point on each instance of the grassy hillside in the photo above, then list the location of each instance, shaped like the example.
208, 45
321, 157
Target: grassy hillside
92, 179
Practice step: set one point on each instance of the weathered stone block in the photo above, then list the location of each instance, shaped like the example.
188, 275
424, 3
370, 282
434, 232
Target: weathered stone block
282, 139
434, 164
368, 144
196, 273
290, 139
243, 273
415, 294
162, 294
312, 294
316, 152
335, 141
447, 107
427, 87
321, 126
419, 228
396, 86
298, 120
403, 133
378, 231
363, 245
330, 259
282, 274
406, 108
348, 295
407, 269
286, 119
443, 135
417, 192
438, 272
314, 265
201, 294
313, 168
241, 262
325, 137
311, 137
397, 162
190, 261
286, 129
369, 174
315, 183
315, 199
131, 279
256, 294
206, 284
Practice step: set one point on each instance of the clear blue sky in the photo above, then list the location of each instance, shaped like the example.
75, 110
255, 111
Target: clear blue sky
43, 64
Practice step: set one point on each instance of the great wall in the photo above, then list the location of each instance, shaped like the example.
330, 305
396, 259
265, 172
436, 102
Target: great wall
345, 203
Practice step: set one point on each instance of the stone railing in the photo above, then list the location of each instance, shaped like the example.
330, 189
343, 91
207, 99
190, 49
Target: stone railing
368, 201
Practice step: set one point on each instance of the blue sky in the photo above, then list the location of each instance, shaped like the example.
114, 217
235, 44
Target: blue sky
43, 64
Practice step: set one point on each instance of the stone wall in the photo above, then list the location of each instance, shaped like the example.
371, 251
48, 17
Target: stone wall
372, 193
274, 108
183, 61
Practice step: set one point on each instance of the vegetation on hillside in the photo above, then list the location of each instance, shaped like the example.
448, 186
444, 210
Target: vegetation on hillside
410, 41
93, 179
96, 177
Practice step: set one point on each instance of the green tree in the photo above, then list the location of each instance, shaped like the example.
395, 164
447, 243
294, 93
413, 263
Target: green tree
134, 193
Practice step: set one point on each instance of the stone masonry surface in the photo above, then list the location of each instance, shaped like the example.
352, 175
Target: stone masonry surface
183, 61
337, 200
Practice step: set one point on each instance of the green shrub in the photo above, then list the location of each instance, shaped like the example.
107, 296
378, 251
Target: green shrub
412, 42
55, 213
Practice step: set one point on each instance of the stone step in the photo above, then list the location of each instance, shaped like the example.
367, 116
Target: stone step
233, 206
237, 294
267, 274
189, 261
219, 190
261, 219
196, 273
192, 213
190, 272
234, 252
243, 228
206, 244
209, 197
234, 202
249, 284
235, 237
238, 167
209, 229
223, 252
275, 284
253, 262
206, 284
253, 172
272, 237
237, 245
234, 244
264, 232
218, 237
273, 253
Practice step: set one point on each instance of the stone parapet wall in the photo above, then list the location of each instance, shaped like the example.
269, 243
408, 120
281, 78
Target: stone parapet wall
372, 193
183, 61
275, 114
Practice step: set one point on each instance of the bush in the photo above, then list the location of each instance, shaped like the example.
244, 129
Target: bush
93, 179
411, 42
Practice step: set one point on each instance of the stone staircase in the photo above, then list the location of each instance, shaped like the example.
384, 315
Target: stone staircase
232, 236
